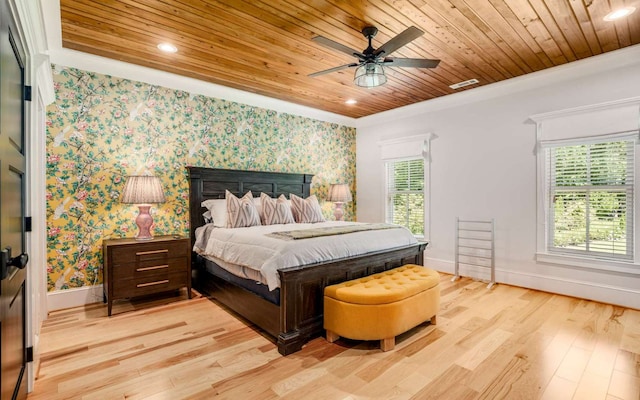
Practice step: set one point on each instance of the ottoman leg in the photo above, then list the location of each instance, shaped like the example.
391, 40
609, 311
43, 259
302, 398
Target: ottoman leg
388, 344
433, 320
332, 336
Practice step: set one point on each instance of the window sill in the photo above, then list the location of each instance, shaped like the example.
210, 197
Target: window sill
629, 268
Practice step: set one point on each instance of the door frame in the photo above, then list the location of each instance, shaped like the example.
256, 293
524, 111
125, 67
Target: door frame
29, 19
36, 239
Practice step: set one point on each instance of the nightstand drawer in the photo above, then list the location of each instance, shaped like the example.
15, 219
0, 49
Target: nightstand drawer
148, 285
149, 268
151, 251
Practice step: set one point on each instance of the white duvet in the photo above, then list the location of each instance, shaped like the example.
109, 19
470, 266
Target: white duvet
252, 248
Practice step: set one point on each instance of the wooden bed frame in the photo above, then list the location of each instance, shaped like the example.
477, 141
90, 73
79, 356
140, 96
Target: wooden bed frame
299, 316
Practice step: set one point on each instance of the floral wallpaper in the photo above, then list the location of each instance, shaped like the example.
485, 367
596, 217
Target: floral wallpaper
101, 129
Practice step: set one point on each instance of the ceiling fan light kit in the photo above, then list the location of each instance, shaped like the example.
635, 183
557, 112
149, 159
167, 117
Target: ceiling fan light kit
371, 62
370, 75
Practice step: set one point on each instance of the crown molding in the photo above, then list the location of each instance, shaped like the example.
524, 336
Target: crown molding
588, 66
632, 101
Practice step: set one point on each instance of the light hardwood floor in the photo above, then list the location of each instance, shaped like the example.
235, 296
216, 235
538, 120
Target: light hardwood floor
503, 343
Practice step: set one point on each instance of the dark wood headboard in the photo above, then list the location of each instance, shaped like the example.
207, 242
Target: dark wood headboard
211, 183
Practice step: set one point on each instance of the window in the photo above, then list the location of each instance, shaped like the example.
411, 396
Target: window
590, 187
587, 213
406, 194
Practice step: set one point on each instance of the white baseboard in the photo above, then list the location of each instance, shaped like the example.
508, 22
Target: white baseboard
60, 299
570, 287
448, 267
439, 265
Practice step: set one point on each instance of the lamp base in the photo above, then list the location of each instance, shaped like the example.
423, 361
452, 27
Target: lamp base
338, 213
144, 222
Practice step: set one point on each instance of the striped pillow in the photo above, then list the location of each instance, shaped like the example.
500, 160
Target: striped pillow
306, 210
241, 212
275, 211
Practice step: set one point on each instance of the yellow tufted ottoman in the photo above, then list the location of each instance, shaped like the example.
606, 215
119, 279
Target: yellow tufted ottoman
382, 306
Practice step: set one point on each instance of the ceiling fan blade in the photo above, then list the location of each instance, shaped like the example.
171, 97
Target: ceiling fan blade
326, 71
337, 46
400, 40
410, 62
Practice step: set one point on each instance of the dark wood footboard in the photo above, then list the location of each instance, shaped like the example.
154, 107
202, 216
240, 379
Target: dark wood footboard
299, 318
302, 290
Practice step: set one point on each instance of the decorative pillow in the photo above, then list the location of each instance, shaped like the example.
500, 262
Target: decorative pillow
218, 209
275, 211
207, 217
241, 212
306, 210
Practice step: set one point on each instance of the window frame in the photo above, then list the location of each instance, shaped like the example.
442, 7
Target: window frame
424, 191
588, 190
542, 255
399, 148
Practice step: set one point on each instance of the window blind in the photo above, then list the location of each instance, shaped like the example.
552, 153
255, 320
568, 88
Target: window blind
405, 194
591, 197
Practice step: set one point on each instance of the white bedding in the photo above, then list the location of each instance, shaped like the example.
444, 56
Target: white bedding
251, 248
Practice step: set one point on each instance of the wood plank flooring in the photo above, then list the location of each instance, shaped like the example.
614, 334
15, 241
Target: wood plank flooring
503, 343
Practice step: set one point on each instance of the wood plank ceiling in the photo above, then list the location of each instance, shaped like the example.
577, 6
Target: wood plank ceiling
266, 46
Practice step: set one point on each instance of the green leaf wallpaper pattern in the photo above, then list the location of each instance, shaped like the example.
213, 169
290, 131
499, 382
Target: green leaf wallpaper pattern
101, 129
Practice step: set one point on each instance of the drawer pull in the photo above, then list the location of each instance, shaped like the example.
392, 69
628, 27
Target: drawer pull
152, 283
152, 268
145, 253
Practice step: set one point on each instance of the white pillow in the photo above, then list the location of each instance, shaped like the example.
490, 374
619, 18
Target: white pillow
275, 211
306, 210
256, 202
218, 208
241, 212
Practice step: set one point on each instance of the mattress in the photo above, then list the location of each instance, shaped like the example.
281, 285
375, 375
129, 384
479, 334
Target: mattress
254, 252
251, 285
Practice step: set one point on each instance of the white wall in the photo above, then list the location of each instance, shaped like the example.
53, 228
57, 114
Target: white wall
483, 166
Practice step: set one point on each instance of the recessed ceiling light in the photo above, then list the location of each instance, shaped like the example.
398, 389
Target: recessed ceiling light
620, 13
167, 47
351, 101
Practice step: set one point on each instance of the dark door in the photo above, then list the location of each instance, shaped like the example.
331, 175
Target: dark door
13, 384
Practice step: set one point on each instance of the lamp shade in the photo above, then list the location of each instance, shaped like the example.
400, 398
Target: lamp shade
143, 189
370, 75
339, 192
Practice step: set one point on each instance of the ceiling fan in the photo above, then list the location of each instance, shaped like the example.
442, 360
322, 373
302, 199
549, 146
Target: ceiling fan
369, 68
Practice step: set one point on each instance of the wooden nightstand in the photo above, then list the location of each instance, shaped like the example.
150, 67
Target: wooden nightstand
135, 268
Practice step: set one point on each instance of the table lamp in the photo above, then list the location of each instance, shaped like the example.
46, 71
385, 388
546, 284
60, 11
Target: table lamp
143, 190
339, 193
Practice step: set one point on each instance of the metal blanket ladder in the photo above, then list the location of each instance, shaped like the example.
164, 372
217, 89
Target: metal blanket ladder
476, 245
